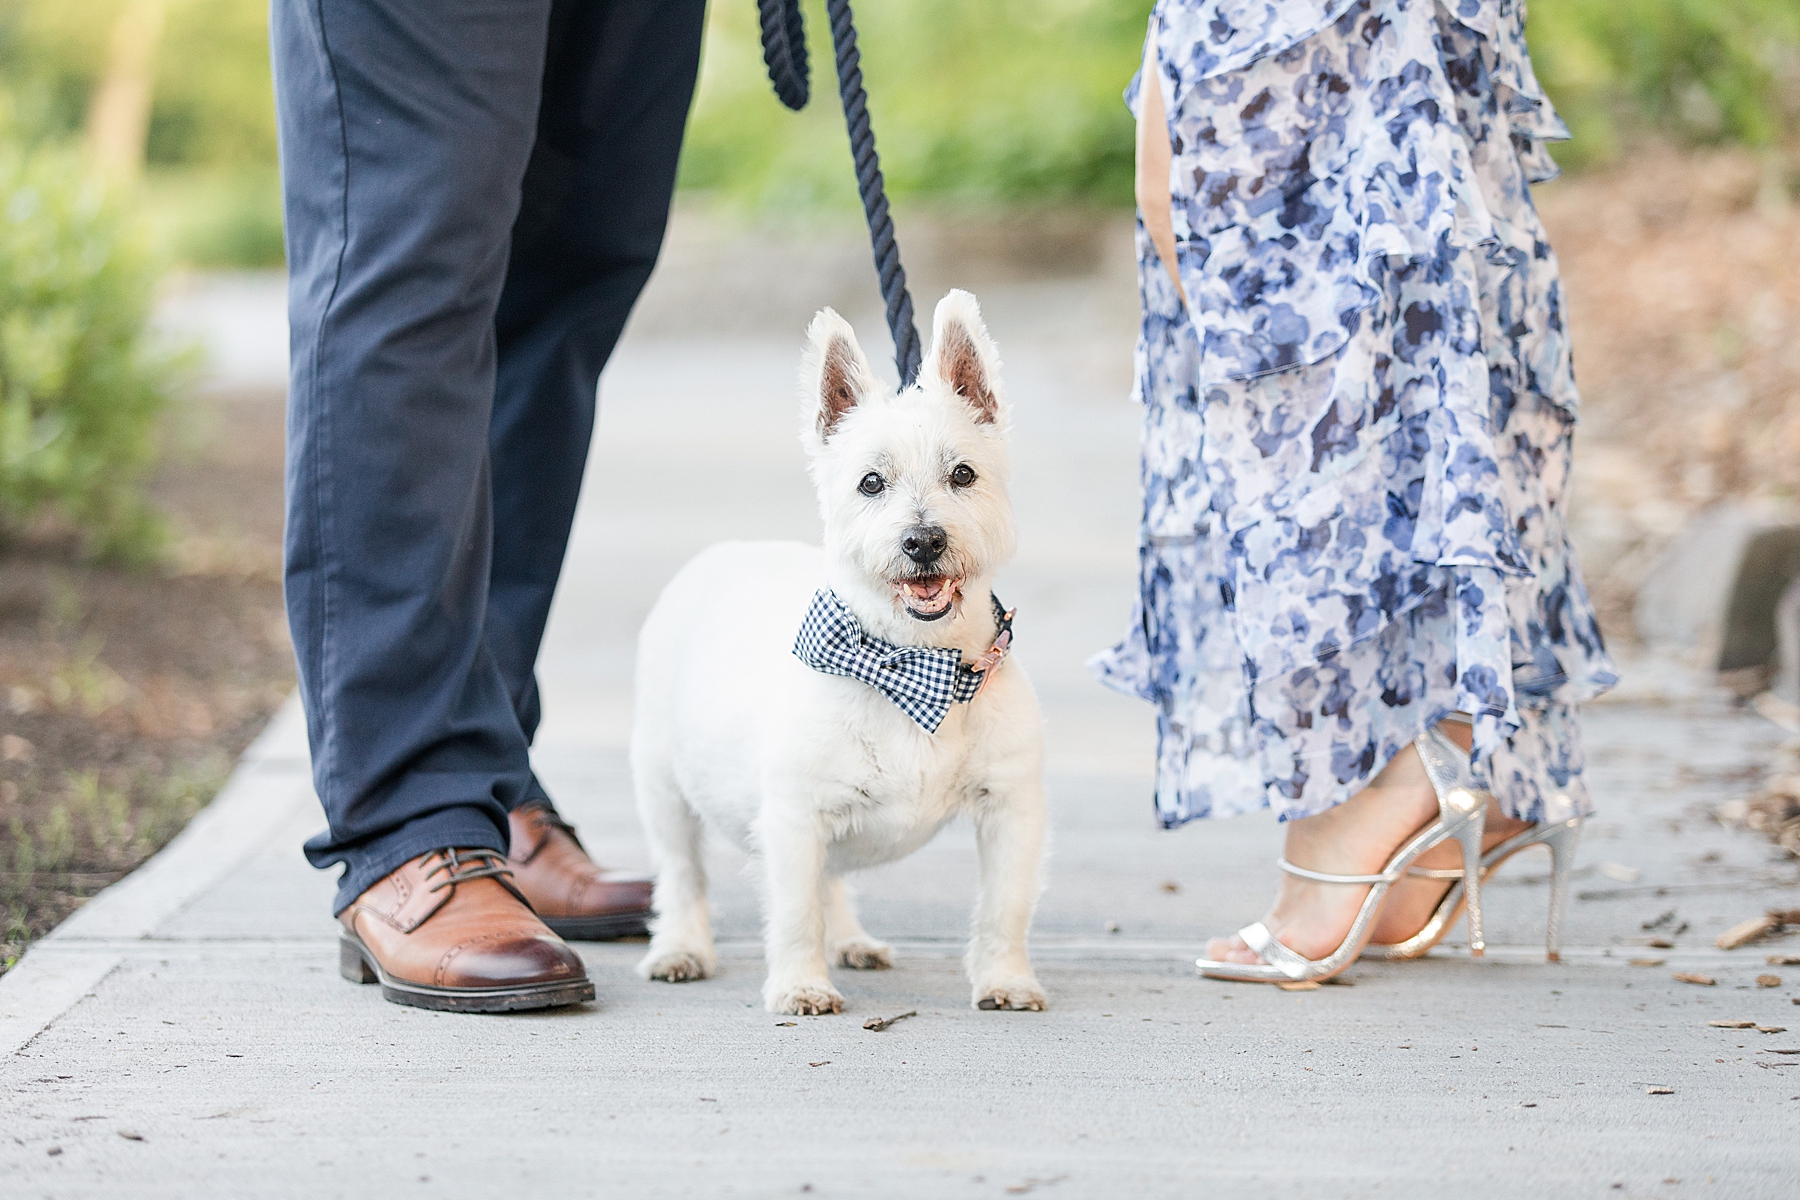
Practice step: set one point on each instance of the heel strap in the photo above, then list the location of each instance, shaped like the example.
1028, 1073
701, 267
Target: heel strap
1324, 877
1539, 834
1447, 766
1435, 872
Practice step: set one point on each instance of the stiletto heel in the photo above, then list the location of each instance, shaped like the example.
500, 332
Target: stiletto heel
1448, 766
1558, 837
1462, 814
1562, 839
1471, 847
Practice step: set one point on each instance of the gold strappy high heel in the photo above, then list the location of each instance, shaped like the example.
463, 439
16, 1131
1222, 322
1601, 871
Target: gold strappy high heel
1559, 837
1462, 815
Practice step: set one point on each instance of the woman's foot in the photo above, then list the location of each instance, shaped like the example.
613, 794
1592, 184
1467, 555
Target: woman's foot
1359, 837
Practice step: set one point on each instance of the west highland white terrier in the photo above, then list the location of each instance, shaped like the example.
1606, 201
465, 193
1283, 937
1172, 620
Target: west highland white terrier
832, 710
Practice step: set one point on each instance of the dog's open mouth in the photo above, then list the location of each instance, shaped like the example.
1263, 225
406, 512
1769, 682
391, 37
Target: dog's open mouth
928, 597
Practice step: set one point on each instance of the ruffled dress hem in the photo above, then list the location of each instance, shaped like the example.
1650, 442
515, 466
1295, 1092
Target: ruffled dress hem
1357, 429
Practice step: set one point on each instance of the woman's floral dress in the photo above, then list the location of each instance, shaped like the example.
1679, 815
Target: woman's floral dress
1356, 432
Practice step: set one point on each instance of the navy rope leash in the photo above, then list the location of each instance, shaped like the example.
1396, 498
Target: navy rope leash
784, 50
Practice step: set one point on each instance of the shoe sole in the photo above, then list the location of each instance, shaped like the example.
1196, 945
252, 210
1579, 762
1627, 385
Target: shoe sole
608, 928
1238, 973
357, 965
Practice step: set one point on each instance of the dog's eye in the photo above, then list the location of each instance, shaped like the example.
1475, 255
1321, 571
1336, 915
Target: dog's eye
963, 476
871, 484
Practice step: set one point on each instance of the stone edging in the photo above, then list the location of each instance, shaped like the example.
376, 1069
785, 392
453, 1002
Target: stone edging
270, 783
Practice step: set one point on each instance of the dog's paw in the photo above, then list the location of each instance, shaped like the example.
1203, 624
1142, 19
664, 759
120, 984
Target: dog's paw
676, 964
864, 954
802, 999
1019, 994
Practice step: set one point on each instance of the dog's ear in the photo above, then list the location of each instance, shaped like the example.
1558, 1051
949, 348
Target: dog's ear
963, 357
835, 377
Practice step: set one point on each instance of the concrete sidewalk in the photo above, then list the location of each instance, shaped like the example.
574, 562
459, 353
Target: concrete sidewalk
187, 1033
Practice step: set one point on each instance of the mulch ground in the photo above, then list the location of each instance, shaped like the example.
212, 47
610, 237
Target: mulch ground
126, 694
1682, 272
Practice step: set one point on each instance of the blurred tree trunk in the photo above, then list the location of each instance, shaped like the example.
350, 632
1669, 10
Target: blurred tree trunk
119, 118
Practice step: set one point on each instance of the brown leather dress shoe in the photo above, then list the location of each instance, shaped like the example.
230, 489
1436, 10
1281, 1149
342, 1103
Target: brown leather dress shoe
448, 930
574, 897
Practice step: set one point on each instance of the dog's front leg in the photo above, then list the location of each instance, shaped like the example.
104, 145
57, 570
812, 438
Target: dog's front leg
1009, 833
793, 850
847, 941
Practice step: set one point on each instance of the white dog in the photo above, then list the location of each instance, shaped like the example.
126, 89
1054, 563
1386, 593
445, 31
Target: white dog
855, 742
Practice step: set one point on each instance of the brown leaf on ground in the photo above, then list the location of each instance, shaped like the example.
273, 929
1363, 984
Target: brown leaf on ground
1745, 932
1766, 981
1782, 960
1657, 1090
1771, 1029
1775, 812
1694, 977
1298, 985
1732, 1024
1647, 962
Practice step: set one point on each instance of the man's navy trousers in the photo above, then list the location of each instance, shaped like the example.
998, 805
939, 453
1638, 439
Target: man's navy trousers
476, 191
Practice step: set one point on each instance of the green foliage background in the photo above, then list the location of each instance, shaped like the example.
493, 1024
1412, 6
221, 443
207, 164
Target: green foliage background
1699, 71
81, 385
977, 102
1011, 101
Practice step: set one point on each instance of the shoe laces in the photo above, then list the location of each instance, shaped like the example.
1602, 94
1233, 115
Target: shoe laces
549, 820
465, 865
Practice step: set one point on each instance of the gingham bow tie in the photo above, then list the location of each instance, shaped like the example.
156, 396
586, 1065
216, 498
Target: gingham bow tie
923, 680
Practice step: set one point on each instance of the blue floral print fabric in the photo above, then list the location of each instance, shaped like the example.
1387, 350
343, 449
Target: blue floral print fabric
1357, 411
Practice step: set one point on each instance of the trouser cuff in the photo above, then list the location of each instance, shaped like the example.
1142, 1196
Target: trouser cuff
468, 828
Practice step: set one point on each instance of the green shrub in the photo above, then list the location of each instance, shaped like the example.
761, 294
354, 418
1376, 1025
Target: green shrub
208, 217
81, 382
1707, 71
214, 103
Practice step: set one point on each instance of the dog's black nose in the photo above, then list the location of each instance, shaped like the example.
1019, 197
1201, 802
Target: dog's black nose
924, 544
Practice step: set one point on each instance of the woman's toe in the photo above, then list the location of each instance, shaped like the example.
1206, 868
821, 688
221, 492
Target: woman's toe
1231, 950
1240, 953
